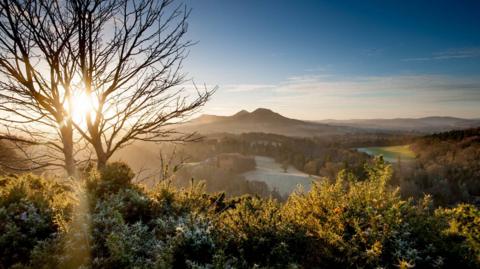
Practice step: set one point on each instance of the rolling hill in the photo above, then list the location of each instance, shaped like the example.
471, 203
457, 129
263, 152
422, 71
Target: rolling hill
261, 120
267, 121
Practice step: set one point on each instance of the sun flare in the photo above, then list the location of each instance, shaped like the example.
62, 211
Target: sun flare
83, 105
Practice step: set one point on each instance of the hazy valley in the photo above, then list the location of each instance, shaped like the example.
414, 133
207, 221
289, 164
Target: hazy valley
315, 151
267, 134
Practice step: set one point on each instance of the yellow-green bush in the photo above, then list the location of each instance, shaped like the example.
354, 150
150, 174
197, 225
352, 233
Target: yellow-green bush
365, 223
255, 232
464, 225
33, 211
112, 223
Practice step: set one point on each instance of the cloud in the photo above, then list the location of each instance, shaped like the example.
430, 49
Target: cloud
330, 96
463, 53
431, 87
247, 87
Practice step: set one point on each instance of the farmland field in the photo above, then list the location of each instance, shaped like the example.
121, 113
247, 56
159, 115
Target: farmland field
275, 177
392, 153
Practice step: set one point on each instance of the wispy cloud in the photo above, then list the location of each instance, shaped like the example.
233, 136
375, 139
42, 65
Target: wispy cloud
377, 84
329, 96
462, 53
247, 87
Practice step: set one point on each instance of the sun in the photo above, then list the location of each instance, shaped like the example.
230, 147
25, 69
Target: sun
83, 105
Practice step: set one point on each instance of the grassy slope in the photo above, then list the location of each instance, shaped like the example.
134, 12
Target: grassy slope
391, 153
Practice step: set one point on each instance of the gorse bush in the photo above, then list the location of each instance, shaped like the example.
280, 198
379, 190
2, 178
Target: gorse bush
355, 223
33, 211
255, 232
464, 225
109, 222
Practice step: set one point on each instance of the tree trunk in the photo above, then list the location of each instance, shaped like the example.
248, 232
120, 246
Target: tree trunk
67, 140
102, 157
101, 161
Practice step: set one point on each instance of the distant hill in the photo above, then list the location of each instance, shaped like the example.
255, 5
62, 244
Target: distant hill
419, 125
261, 120
268, 121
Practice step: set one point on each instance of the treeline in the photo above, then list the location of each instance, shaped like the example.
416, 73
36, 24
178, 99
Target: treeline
447, 166
106, 221
324, 156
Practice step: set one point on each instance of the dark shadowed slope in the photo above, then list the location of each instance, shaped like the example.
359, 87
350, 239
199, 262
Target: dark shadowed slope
261, 120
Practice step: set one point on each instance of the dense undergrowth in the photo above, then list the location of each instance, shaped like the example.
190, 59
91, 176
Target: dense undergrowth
108, 222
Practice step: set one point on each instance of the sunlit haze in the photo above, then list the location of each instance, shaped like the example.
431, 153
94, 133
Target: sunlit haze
239, 134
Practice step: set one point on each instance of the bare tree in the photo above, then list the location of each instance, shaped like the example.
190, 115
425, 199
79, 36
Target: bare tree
124, 57
36, 74
130, 56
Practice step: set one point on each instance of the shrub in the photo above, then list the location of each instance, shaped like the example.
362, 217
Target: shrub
135, 228
120, 213
464, 224
365, 223
113, 178
350, 222
33, 211
254, 232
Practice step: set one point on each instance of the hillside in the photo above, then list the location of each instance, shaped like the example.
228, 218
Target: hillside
261, 120
267, 121
422, 125
447, 167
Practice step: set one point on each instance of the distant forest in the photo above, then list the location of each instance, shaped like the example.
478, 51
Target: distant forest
446, 164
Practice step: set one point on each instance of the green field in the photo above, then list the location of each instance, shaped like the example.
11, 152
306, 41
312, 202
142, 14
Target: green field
391, 153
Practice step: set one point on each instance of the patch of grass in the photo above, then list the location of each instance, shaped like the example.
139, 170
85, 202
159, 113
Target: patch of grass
391, 153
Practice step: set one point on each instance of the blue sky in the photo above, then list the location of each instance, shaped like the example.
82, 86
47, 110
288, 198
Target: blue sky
338, 59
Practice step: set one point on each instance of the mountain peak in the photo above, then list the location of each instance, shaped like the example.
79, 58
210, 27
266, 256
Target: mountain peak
241, 113
263, 110
260, 120
259, 112
267, 115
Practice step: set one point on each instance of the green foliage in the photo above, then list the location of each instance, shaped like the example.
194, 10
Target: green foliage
255, 232
33, 211
364, 223
114, 177
446, 167
464, 222
349, 222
